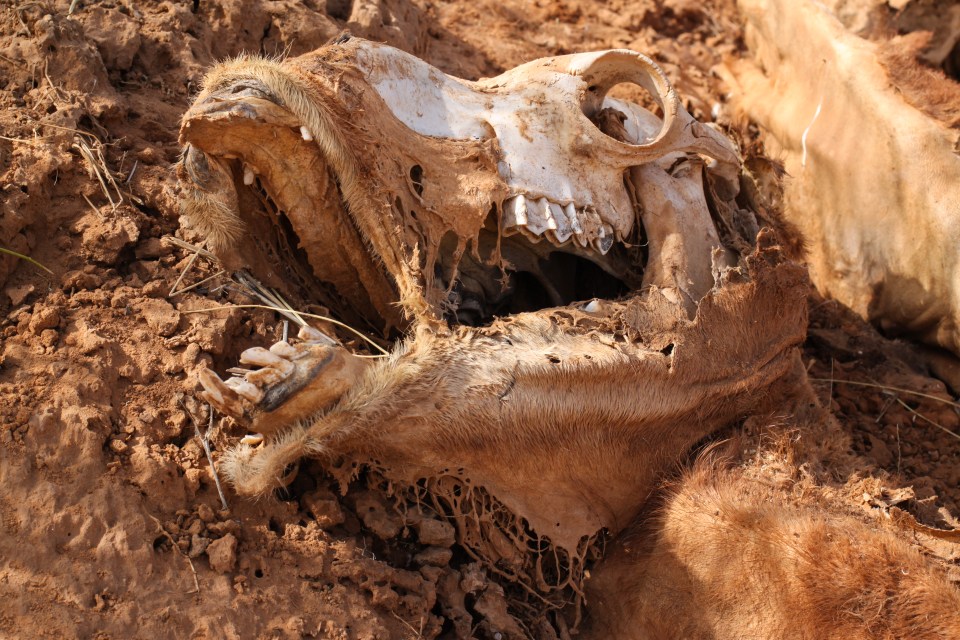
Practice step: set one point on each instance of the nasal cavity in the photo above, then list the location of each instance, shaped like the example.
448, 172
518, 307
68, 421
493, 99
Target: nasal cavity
416, 176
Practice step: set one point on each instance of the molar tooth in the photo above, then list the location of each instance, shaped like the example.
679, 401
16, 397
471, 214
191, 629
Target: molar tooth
514, 212
551, 215
285, 350
574, 217
537, 216
605, 238
269, 376
563, 229
306, 133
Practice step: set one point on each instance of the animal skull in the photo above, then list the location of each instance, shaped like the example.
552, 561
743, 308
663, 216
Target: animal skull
444, 154
368, 178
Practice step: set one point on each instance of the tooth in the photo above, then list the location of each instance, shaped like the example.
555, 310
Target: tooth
551, 215
514, 212
562, 228
537, 217
306, 133
605, 238
592, 307
245, 389
247, 175
213, 385
574, 218
269, 376
309, 334
252, 439
261, 357
216, 392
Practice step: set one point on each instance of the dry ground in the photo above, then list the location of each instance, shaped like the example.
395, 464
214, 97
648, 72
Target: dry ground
111, 522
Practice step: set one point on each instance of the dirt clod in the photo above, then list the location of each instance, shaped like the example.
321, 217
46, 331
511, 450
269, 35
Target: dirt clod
222, 553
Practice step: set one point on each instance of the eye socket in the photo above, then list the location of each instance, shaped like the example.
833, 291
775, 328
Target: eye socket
621, 81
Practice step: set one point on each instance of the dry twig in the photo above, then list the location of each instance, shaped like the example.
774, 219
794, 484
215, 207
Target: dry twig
173, 543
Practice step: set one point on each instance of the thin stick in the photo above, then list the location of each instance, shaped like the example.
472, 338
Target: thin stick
25, 140
173, 289
92, 206
173, 543
197, 284
309, 315
11, 252
886, 388
206, 448
136, 164
925, 418
189, 247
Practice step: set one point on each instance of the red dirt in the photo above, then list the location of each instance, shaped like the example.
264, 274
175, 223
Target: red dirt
112, 526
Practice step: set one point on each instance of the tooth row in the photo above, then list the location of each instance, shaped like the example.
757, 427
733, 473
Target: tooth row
537, 218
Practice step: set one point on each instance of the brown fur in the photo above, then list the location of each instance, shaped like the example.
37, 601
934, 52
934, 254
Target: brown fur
731, 557
927, 89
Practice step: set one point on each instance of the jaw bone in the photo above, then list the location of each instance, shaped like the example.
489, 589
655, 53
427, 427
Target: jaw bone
875, 181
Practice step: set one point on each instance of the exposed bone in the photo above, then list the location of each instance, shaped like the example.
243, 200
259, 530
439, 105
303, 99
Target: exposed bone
245, 389
263, 358
285, 350
217, 393
547, 148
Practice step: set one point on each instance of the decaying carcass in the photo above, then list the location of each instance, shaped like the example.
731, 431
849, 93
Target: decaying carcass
585, 292
870, 139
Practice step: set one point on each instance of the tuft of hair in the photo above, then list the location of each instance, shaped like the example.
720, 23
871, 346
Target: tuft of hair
258, 471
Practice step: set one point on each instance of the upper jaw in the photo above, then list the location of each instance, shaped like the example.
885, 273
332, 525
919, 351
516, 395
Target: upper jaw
368, 200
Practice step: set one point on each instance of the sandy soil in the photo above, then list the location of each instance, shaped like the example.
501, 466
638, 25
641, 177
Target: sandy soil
111, 522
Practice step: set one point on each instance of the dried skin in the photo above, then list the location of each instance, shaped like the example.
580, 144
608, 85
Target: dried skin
874, 178
730, 560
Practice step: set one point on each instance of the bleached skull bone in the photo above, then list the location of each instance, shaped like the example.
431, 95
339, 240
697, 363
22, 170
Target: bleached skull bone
564, 174
411, 154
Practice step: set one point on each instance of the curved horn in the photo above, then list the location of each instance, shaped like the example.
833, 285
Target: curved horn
680, 132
